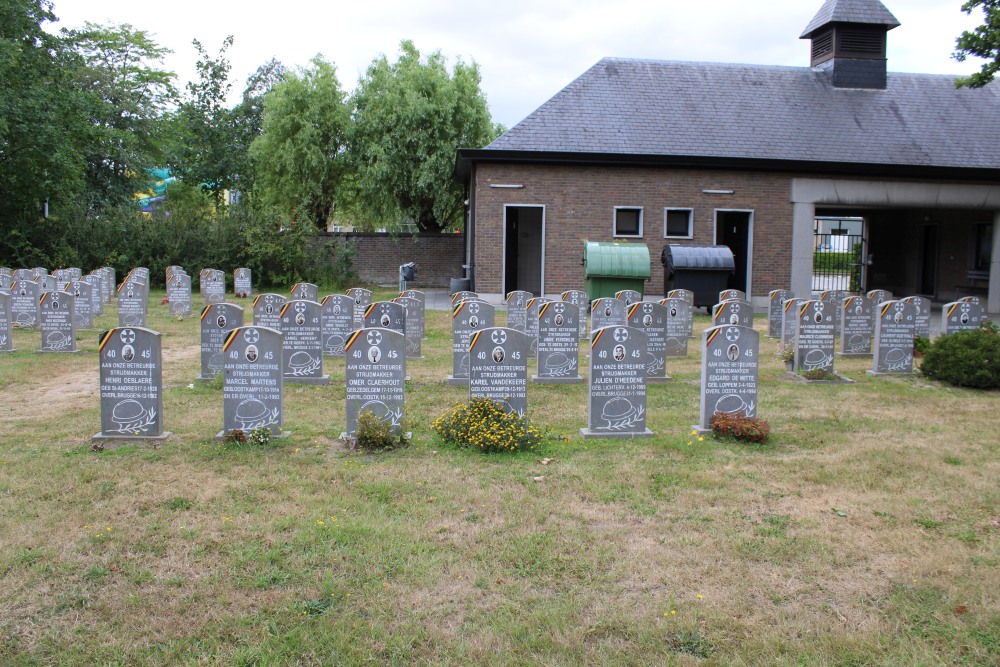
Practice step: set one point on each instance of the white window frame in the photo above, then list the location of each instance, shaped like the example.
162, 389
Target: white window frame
666, 213
614, 222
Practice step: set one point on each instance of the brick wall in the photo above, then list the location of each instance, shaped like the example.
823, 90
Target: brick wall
579, 206
439, 257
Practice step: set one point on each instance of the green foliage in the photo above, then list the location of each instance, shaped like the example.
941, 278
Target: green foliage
299, 156
832, 262
920, 346
739, 427
965, 359
409, 118
983, 42
248, 118
819, 374
374, 434
483, 424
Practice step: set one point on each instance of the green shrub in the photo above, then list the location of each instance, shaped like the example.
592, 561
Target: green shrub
965, 359
485, 425
374, 434
740, 427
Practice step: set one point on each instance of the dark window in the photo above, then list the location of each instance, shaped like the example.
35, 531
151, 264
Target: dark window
983, 250
678, 223
628, 222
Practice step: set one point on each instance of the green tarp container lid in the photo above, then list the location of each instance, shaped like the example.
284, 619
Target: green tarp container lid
626, 260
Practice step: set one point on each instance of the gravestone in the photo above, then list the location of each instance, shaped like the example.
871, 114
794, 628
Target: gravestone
878, 296
253, 388
922, 323
961, 316
462, 295
132, 304
62, 276
856, 327
558, 344
6, 323
217, 320
109, 280
24, 303
531, 323
651, 319
732, 295
75, 273
131, 385
499, 368
616, 404
688, 296
243, 283
834, 300
607, 312
46, 284
96, 296
338, 323
56, 319
6, 280
517, 309
304, 292
302, 342
23, 274
267, 310
83, 303
212, 283
775, 309
815, 334
579, 299
789, 320
895, 323
38, 272
179, 293
971, 299
467, 318
678, 326
734, 312
385, 315
376, 377
413, 315
362, 299
629, 296
422, 298
729, 371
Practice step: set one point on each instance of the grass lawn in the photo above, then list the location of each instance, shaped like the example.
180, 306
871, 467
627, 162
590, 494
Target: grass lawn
866, 533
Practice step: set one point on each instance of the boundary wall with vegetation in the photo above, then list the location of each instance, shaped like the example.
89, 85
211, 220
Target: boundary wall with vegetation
377, 256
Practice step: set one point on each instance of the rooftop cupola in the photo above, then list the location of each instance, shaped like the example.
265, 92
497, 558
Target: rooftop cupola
848, 39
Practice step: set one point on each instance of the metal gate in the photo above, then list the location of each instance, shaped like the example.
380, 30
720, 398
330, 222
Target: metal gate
838, 261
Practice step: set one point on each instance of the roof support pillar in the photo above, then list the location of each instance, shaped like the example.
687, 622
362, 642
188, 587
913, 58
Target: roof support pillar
803, 229
993, 299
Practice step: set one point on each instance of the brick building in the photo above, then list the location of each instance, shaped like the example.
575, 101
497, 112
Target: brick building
772, 161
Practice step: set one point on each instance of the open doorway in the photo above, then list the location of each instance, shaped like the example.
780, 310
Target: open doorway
524, 249
735, 229
928, 261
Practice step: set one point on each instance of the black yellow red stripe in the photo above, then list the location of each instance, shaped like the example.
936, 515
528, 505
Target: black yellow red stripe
712, 336
475, 339
204, 312
788, 305
284, 308
350, 341
229, 339
458, 309
952, 309
631, 311
848, 302
105, 338
597, 337
885, 308
369, 309
543, 309
255, 300
45, 295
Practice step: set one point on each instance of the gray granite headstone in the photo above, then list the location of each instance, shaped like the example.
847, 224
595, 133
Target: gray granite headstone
253, 389
132, 304
109, 280
629, 296
179, 292
386, 315
83, 303
856, 327
789, 320
834, 300
607, 312
376, 377
96, 295
422, 298
923, 321
6, 323
217, 320
617, 389
56, 319
732, 295
462, 295
729, 370
467, 318
23, 274
213, 285
734, 312
688, 296
878, 296
75, 273
302, 329
131, 385
304, 292
267, 310
651, 319
531, 323
678, 326
6, 280
517, 309
413, 314
46, 284
39, 271
558, 344
895, 323
961, 316
579, 299
338, 323
499, 368
775, 309
971, 299
243, 283
24, 303
815, 334
362, 299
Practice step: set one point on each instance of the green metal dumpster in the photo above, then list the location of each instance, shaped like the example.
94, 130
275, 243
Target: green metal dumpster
612, 267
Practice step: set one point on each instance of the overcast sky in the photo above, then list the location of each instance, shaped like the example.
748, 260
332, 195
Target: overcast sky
527, 50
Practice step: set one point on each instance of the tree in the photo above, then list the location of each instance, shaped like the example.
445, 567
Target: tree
248, 117
409, 119
983, 42
125, 96
299, 156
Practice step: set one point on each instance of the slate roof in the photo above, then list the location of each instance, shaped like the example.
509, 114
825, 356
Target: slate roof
870, 12
664, 108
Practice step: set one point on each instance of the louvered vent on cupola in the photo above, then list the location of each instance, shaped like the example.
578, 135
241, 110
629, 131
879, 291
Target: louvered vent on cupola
849, 39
